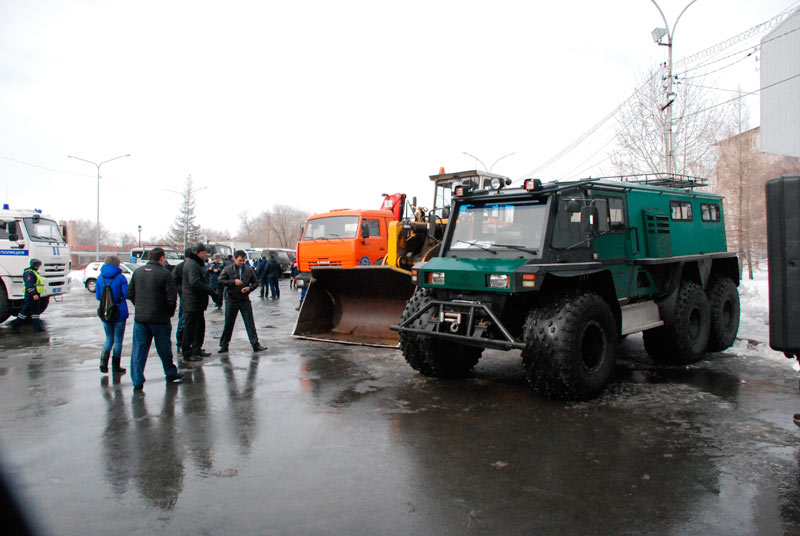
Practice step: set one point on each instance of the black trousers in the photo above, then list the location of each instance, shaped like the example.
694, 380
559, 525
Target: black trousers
232, 308
194, 332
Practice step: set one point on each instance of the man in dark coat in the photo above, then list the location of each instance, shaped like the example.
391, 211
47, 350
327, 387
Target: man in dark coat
238, 280
214, 269
195, 293
153, 294
177, 278
261, 273
274, 273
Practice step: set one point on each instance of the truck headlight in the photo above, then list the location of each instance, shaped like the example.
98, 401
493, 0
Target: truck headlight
435, 278
498, 281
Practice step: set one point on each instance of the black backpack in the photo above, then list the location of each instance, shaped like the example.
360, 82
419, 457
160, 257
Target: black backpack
108, 309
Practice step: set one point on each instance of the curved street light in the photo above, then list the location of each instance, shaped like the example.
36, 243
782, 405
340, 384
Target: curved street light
490, 168
98, 190
658, 35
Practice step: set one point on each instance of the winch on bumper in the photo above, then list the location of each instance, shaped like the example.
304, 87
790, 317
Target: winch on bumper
465, 321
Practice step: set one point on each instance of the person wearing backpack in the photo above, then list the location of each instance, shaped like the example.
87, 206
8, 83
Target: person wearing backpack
111, 291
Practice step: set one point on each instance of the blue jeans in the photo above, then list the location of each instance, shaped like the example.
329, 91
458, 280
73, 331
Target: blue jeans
143, 335
273, 287
114, 334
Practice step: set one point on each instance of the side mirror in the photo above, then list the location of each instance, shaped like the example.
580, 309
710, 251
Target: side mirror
13, 231
64, 232
589, 219
446, 213
364, 229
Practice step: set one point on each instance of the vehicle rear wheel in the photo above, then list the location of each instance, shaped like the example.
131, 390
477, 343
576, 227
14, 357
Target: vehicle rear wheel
685, 340
723, 299
570, 346
91, 285
429, 356
5, 306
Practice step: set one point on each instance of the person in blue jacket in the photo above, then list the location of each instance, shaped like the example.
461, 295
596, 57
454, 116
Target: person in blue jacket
111, 276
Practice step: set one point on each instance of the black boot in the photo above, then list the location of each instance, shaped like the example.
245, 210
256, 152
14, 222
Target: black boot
104, 361
116, 368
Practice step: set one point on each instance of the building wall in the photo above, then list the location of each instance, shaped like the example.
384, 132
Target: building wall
780, 104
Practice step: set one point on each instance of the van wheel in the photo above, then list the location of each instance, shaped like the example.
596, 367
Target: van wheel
5, 307
723, 298
91, 285
685, 340
434, 357
570, 346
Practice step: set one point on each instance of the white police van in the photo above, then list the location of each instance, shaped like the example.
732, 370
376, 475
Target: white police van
26, 235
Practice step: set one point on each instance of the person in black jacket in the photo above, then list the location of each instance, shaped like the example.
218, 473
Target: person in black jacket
274, 273
214, 269
261, 273
238, 280
153, 294
195, 292
177, 278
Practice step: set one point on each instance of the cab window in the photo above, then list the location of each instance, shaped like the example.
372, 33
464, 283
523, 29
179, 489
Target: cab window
374, 228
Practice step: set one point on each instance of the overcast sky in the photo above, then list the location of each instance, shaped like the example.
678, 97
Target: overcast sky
314, 104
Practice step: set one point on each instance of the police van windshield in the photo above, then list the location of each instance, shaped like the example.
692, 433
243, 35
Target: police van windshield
500, 226
43, 230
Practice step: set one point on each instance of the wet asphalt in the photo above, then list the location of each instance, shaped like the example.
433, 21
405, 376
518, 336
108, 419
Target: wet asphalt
316, 438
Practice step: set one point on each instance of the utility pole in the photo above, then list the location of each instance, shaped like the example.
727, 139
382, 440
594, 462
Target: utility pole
658, 35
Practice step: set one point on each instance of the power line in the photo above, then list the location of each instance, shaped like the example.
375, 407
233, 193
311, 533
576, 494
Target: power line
740, 97
46, 168
708, 52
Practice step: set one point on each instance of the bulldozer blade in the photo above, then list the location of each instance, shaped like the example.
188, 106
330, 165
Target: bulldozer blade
354, 305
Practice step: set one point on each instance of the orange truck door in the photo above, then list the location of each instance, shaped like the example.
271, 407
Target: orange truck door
373, 248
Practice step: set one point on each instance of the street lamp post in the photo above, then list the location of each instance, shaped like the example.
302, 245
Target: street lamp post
658, 35
98, 190
490, 168
140, 237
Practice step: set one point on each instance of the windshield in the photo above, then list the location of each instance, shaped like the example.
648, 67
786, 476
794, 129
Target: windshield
171, 254
498, 226
43, 231
333, 227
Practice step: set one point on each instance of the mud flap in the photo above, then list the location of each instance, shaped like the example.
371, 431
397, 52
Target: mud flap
354, 305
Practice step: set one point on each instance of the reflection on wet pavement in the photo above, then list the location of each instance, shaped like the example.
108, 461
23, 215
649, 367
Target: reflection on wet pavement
311, 438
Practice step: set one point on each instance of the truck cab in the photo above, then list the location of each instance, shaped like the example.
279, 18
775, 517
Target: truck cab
26, 235
343, 238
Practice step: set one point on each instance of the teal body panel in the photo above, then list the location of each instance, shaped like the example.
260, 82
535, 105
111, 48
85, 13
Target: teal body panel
686, 237
471, 274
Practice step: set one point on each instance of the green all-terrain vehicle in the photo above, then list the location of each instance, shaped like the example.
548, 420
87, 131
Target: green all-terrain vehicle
564, 270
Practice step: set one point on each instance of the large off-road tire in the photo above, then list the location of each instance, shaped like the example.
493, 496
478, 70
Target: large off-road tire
91, 285
686, 339
430, 356
723, 298
570, 346
5, 306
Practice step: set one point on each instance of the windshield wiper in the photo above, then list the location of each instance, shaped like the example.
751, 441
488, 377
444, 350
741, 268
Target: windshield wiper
518, 248
476, 243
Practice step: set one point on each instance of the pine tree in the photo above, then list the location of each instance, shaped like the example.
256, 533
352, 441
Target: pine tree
184, 231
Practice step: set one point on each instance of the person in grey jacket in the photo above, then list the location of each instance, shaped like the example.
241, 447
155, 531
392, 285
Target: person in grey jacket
238, 280
153, 294
194, 294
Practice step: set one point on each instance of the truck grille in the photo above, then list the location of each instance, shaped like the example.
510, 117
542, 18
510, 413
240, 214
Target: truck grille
55, 268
